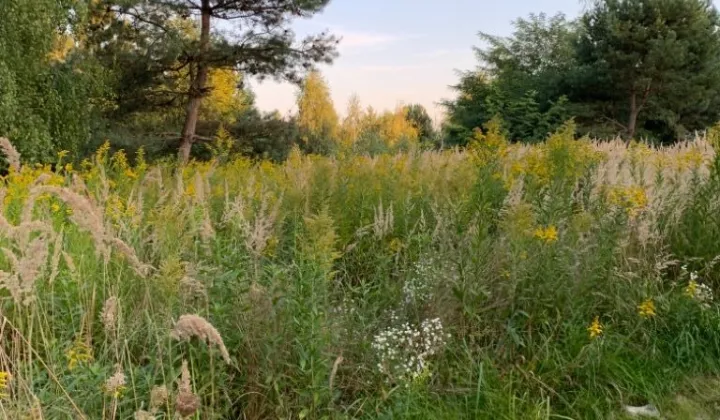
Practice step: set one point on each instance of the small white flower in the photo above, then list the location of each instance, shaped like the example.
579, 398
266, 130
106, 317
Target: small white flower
403, 351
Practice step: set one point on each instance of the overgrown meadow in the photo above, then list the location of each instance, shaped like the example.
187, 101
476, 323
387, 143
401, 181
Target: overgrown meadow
561, 280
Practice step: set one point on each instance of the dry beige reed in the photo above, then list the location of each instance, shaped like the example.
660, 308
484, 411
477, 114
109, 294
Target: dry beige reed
11, 154
109, 314
186, 402
189, 326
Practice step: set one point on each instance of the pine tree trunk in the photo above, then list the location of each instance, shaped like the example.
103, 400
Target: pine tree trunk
632, 120
197, 87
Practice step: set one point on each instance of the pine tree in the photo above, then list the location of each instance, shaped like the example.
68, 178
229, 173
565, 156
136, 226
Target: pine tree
263, 44
661, 56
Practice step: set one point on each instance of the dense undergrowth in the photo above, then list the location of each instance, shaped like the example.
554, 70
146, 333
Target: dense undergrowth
562, 280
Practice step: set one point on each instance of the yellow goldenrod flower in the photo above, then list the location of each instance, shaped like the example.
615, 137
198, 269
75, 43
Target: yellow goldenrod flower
140, 163
647, 309
5, 378
79, 353
120, 161
130, 173
548, 234
69, 167
55, 207
691, 289
395, 245
61, 154
595, 329
632, 199
102, 151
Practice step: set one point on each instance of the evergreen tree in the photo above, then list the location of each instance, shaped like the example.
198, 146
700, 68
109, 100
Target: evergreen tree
657, 57
521, 80
263, 45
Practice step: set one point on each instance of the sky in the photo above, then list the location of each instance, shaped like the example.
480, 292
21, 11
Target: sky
397, 52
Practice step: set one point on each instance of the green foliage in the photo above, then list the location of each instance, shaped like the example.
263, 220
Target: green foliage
44, 103
421, 121
649, 68
521, 81
654, 64
267, 136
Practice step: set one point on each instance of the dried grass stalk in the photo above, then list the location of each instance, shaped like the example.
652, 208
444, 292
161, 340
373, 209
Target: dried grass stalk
115, 384
109, 315
55, 261
189, 326
11, 154
158, 397
140, 268
86, 215
143, 415
186, 402
192, 288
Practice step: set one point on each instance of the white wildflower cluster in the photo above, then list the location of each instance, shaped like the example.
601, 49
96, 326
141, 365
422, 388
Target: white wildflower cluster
403, 351
346, 308
700, 292
418, 287
704, 295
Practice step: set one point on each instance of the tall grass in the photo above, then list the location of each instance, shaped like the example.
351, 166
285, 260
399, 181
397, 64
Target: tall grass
564, 280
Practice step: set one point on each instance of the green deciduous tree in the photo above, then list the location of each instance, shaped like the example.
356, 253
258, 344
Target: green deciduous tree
46, 88
521, 80
649, 67
419, 118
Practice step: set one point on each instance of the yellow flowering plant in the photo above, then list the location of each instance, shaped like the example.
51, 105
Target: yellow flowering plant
647, 309
596, 328
547, 234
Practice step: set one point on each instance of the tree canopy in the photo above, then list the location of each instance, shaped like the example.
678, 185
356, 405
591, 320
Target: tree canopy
645, 68
262, 44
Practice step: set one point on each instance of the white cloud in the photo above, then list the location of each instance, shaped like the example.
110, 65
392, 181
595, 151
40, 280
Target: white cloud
387, 68
359, 39
352, 39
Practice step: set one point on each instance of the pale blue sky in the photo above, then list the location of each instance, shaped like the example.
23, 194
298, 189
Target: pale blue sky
404, 51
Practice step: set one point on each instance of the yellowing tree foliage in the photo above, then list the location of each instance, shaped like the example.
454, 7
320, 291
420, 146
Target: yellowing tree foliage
352, 123
225, 100
394, 127
62, 45
316, 113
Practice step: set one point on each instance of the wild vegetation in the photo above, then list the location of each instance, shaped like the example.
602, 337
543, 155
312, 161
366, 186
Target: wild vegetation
506, 281
169, 251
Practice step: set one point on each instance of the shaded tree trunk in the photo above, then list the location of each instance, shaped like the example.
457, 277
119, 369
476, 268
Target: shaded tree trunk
635, 109
197, 86
632, 119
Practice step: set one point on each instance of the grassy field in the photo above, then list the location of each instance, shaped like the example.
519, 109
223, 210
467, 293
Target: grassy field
562, 280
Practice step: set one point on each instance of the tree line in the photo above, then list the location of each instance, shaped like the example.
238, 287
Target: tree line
169, 76
635, 68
